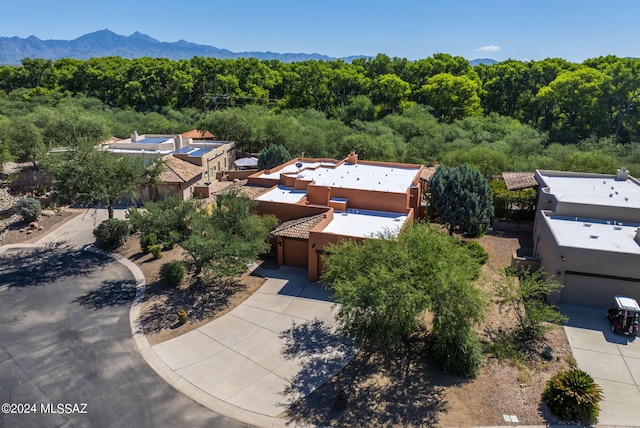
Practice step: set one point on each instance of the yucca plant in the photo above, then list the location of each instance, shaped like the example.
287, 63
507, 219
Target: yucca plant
573, 395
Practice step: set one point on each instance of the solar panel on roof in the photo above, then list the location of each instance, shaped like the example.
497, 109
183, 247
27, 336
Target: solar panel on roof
201, 152
184, 150
152, 140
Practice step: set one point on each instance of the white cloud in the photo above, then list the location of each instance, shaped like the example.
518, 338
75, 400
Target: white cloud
490, 48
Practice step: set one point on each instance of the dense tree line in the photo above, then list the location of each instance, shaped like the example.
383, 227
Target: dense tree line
510, 115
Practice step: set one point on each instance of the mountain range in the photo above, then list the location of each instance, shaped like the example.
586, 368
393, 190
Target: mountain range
107, 43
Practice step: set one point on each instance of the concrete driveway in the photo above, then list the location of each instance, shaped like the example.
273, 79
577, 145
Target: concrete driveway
252, 363
612, 360
65, 338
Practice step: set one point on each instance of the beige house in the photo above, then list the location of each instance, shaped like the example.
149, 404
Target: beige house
178, 177
586, 234
206, 156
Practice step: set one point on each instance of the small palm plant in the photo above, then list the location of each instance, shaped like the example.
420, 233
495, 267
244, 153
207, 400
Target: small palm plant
573, 395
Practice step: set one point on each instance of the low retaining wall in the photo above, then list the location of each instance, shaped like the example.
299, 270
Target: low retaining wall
511, 226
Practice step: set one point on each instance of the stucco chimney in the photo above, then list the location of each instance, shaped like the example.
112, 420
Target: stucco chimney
134, 136
622, 174
179, 142
352, 158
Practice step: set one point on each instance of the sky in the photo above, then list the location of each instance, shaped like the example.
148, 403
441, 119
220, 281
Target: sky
499, 29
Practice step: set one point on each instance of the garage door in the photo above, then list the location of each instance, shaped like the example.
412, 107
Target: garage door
596, 290
296, 252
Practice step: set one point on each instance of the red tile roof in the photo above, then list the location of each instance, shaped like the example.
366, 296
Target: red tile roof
519, 180
298, 228
196, 134
178, 171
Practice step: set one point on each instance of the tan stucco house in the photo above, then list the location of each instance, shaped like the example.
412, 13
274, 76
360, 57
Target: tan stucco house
586, 234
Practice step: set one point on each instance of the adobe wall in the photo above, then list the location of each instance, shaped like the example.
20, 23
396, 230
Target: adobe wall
285, 212
363, 199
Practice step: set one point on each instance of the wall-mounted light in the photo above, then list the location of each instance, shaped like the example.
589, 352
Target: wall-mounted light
562, 258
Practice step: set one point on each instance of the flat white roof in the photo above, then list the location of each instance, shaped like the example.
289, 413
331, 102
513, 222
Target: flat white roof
594, 190
282, 194
141, 151
365, 223
353, 176
592, 234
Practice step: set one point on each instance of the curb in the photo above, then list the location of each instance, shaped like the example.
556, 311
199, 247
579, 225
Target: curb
165, 372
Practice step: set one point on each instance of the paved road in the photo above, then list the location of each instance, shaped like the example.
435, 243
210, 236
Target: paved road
65, 338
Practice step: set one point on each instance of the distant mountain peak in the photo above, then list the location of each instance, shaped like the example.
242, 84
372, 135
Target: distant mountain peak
137, 45
140, 36
485, 61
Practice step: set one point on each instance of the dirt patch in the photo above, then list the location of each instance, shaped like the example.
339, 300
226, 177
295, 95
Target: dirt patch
17, 231
404, 389
203, 300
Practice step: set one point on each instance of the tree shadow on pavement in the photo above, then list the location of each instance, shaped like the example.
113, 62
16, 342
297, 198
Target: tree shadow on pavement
322, 352
110, 293
31, 267
200, 299
394, 387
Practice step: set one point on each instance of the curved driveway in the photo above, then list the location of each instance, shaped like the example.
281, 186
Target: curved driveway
65, 338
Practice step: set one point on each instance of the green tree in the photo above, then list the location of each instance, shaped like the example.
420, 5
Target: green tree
383, 284
524, 294
272, 156
592, 161
451, 97
166, 222
461, 198
92, 176
379, 299
231, 124
490, 163
390, 93
572, 104
25, 140
225, 241
5, 154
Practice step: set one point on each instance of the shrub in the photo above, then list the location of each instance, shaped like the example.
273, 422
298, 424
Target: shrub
147, 241
457, 352
477, 252
111, 233
573, 395
517, 205
28, 208
156, 251
31, 181
172, 273
272, 156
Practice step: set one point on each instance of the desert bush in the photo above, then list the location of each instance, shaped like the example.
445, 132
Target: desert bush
477, 252
31, 181
573, 395
111, 233
156, 251
147, 241
172, 273
458, 352
28, 208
